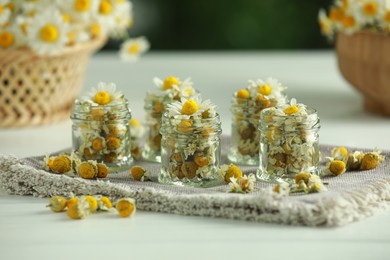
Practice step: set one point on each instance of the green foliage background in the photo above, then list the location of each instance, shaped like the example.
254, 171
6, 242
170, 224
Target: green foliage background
227, 24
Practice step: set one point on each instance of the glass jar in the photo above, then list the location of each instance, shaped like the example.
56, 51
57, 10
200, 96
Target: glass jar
190, 154
102, 133
155, 105
289, 144
245, 145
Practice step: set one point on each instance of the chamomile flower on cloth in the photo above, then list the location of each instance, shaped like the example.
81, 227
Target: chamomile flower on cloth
87, 169
335, 168
48, 33
132, 48
59, 164
339, 153
104, 94
371, 160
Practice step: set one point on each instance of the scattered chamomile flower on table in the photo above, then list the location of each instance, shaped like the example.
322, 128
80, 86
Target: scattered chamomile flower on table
87, 169
57, 203
79, 209
371, 160
104, 203
131, 49
126, 207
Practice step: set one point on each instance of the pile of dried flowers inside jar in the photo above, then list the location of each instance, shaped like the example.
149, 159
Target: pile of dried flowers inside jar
289, 142
190, 153
101, 127
246, 107
168, 90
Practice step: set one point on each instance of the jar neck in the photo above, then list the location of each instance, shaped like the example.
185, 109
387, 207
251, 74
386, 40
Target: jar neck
85, 110
205, 127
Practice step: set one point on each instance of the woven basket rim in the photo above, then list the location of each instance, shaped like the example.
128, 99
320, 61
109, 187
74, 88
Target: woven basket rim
89, 46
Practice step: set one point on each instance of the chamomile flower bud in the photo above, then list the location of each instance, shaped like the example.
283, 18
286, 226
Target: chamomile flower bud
126, 207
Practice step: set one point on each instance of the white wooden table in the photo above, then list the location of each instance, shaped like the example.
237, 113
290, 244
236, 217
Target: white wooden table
28, 230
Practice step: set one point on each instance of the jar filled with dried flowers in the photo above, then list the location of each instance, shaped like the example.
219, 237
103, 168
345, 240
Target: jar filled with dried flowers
246, 107
101, 129
168, 90
289, 142
191, 150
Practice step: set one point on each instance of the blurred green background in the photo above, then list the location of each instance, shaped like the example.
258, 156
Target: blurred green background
229, 25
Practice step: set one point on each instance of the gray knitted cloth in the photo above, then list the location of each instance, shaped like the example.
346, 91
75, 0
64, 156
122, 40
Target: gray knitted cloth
350, 197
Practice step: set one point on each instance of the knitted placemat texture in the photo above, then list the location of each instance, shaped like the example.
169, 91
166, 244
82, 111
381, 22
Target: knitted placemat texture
350, 197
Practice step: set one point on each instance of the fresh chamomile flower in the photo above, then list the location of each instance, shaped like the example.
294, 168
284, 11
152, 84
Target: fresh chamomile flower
48, 33
326, 24
87, 169
294, 108
102, 170
104, 94
350, 24
7, 38
123, 17
5, 12
80, 10
385, 20
185, 108
132, 48
271, 88
368, 11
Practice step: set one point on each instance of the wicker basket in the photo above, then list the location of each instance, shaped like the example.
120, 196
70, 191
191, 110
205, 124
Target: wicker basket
364, 61
35, 89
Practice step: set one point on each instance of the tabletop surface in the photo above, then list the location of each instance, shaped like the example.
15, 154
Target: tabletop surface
29, 230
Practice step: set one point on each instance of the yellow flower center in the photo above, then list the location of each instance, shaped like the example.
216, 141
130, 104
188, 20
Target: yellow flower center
6, 39
387, 16
345, 4
1, 9
169, 82
134, 48
97, 144
305, 176
343, 151
243, 93
349, 21
265, 90
233, 171
11, 6
336, 14
337, 167
95, 30
49, 33
291, 110
120, 1
105, 7
102, 170
106, 202
113, 143
87, 170
66, 18
61, 164
125, 207
370, 8
137, 172
82, 5
102, 98
189, 107
135, 122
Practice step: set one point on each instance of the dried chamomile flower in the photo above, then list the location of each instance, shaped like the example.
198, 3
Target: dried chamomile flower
59, 164
93, 203
282, 188
126, 207
234, 186
308, 183
104, 203
355, 160
139, 173
57, 203
79, 209
87, 170
335, 167
231, 171
315, 184
71, 201
339, 153
302, 176
371, 160
247, 183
